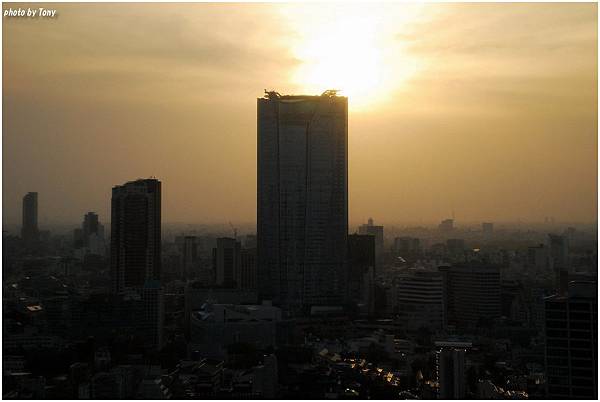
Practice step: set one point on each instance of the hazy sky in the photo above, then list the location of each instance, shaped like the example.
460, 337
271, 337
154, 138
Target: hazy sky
489, 110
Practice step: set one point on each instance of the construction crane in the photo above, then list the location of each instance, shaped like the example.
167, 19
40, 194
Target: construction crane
234, 230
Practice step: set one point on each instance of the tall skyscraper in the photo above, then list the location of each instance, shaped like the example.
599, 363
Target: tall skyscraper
29, 229
302, 206
571, 327
135, 234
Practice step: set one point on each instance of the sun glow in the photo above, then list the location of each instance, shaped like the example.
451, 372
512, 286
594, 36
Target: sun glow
351, 50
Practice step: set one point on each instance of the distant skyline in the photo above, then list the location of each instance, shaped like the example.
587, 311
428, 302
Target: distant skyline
487, 110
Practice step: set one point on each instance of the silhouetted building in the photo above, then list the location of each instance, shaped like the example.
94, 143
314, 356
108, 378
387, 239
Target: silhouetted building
29, 228
302, 208
152, 298
135, 234
227, 261
89, 239
572, 342
90, 226
376, 231
248, 274
361, 271
419, 299
538, 258
559, 260
189, 252
472, 294
250, 241
451, 369
447, 225
407, 246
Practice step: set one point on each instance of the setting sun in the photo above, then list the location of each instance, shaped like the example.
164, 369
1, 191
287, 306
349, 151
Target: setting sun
354, 52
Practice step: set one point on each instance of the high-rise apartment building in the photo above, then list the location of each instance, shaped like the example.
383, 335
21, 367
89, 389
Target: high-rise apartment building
135, 234
302, 206
29, 228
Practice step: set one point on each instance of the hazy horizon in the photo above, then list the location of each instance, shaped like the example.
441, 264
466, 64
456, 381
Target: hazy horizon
488, 111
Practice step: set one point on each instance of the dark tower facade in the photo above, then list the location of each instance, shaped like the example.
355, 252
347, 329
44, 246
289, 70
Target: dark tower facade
302, 205
135, 234
29, 228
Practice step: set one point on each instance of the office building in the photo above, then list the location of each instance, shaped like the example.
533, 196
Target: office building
90, 226
472, 294
190, 256
571, 325
248, 274
302, 206
361, 271
227, 261
419, 299
371, 229
89, 238
29, 228
407, 246
135, 234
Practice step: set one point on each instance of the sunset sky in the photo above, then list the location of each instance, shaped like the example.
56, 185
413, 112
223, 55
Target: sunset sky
487, 110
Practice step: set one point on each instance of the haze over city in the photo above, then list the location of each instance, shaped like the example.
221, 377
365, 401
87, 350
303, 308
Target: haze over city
487, 110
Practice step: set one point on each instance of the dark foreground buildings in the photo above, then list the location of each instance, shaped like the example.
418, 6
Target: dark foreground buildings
302, 199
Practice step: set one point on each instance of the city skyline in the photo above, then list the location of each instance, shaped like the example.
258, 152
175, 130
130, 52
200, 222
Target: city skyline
299, 201
495, 127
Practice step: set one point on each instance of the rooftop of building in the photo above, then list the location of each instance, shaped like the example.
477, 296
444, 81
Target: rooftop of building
330, 93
